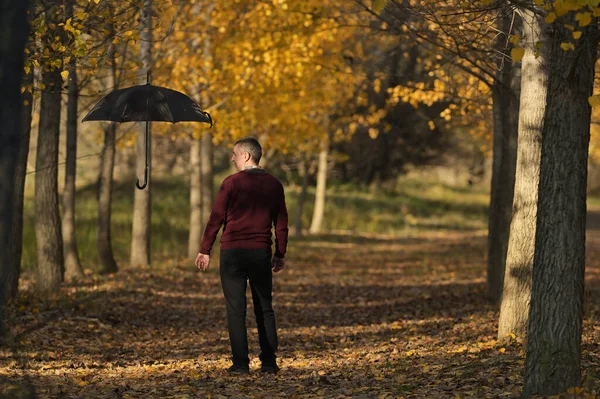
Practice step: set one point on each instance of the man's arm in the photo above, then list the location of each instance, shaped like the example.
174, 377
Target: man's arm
217, 217
281, 227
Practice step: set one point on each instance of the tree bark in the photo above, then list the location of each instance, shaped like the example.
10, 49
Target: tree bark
105, 180
302, 197
506, 111
15, 240
514, 308
48, 233
553, 361
206, 158
195, 235
13, 34
319, 210
73, 267
142, 202
206, 163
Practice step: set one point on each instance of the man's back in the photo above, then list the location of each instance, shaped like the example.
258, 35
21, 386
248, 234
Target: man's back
249, 203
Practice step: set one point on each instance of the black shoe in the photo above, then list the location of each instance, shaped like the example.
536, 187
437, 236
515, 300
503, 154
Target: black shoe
269, 369
238, 370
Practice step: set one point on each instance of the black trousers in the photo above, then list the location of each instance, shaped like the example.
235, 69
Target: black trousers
237, 266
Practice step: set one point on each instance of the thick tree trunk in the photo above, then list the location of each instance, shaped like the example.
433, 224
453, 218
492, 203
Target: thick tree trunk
506, 111
514, 309
302, 197
105, 181
553, 362
15, 240
13, 34
319, 210
50, 260
73, 267
206, 158
142, 202
196, 219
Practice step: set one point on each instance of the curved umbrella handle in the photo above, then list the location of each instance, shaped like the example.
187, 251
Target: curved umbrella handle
137, 181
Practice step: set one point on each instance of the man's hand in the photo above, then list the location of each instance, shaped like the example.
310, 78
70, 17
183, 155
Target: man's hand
202, 262
278, 264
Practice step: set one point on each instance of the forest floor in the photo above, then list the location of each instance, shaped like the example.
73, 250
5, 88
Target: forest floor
358, 317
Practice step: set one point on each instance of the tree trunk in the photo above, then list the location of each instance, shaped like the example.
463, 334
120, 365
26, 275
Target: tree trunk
105, 180
47, 216
206, 163
15, 27
514, 308
73, 267
302, 197
142, 202
506, 111
319, 210
195, 200
553, 362
206, 158
15, 240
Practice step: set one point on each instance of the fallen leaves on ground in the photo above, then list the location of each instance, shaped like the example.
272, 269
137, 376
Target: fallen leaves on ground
358, 317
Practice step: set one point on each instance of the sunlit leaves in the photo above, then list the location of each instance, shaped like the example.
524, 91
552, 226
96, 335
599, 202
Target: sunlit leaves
550, 18
567, 46
379, 5
517, 53
584, 18
594, 101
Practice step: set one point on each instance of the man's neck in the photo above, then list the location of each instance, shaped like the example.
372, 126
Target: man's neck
248, 167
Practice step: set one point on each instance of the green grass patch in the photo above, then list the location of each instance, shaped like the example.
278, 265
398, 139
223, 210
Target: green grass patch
413, 206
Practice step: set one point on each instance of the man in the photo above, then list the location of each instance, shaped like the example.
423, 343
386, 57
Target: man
248, 204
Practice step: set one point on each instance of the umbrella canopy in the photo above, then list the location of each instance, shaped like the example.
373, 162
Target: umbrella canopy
147, 103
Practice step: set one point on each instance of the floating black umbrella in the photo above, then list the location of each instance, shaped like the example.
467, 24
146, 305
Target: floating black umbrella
147, 103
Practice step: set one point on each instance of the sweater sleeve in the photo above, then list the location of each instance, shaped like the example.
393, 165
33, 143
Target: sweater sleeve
217, 217
281, 227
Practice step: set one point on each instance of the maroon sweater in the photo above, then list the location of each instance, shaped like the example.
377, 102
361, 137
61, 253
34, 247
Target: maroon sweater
248, 204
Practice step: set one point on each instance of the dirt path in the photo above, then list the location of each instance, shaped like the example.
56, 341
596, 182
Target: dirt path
357, 317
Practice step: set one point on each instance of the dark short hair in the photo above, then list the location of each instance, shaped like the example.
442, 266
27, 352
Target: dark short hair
252, 147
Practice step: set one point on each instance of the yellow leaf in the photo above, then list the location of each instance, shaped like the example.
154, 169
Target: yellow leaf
575, 390
379, 5
594, 3
517, 53
502, 350
566, 46
570, 27
96, 1
539, 2
64, 74
27, 69
576, 35
597, 12
551, 17
584, 18
129, 33
560, 8
514, 39
594, 100
115, 40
